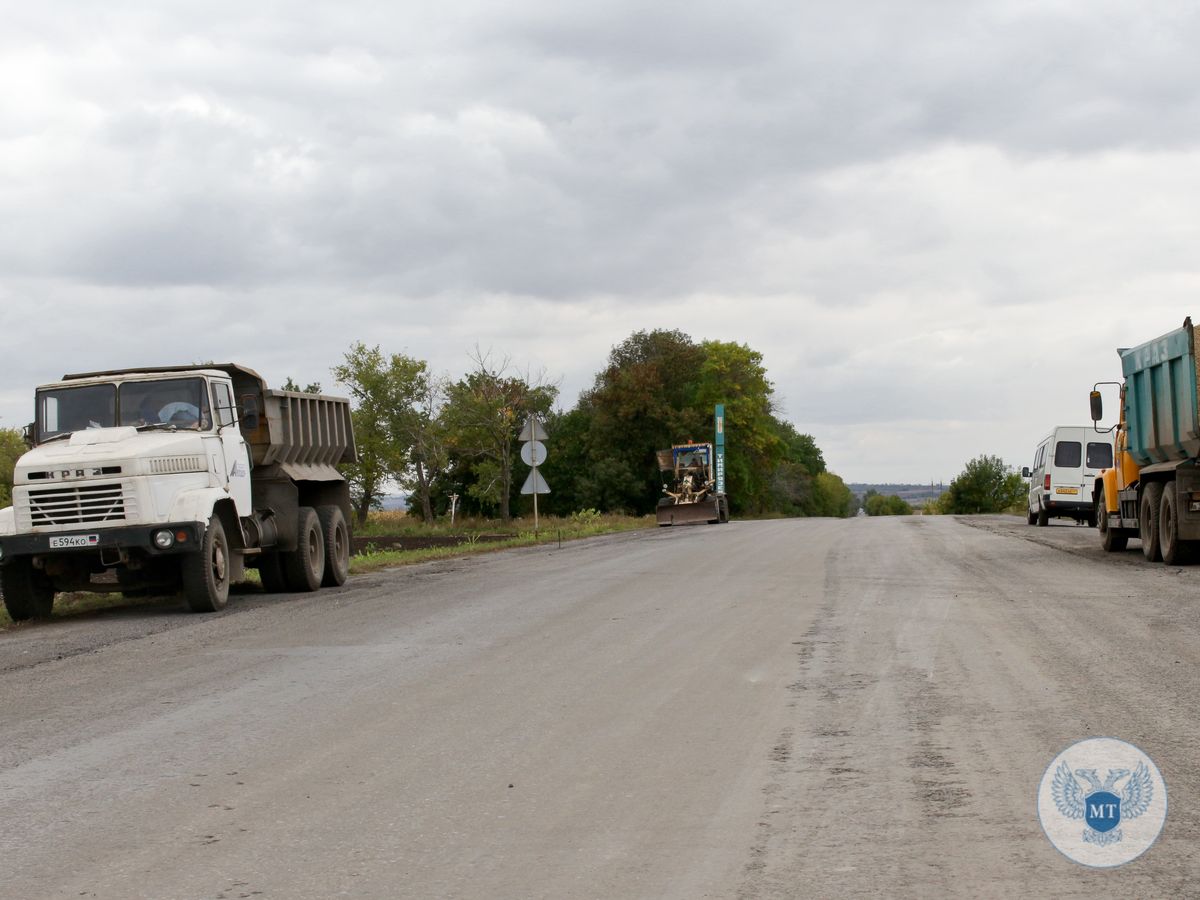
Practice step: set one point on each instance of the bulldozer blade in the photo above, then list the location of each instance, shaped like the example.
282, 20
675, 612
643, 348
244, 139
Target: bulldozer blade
689, 513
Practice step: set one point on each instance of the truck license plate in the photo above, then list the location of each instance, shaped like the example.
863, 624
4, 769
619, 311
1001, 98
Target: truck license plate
74, 540
1066, 490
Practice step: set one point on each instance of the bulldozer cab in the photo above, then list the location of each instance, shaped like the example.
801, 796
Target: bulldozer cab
683, 459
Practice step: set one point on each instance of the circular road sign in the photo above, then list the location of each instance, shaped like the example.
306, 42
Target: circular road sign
533, 453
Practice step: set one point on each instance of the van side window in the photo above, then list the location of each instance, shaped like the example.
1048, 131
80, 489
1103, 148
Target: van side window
1068, 454
1041, 455
1099, 455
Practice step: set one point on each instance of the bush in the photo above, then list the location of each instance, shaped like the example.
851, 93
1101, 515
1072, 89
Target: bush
891, 505
986, 485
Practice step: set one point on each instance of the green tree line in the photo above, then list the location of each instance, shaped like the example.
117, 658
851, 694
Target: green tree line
435, 436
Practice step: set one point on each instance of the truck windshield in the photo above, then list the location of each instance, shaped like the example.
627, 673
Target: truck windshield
166, 403
178, 402
63, 410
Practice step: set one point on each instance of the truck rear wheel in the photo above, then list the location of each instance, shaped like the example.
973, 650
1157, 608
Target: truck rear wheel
1148, 524
206, 574
1175, 552
304, 567
337, 545
28, 593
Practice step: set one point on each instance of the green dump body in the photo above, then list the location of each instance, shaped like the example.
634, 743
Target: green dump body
1160, 398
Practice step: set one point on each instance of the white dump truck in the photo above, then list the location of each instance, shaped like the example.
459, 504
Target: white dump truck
169, 479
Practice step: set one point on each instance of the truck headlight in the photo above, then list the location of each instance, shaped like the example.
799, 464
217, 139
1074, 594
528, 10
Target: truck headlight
163, 539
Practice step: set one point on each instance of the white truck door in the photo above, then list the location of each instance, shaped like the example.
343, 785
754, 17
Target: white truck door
237, 454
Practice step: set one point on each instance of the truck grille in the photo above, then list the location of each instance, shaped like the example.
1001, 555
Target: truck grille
76, 505
166, 465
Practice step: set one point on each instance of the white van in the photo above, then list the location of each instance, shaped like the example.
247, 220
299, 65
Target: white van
1065, 467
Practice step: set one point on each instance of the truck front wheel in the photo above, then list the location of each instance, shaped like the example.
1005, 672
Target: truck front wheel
304, 567
1148, 523
1113, 540
206, 574
28, 593
337, 545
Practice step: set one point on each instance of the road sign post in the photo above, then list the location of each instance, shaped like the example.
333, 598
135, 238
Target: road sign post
533, 454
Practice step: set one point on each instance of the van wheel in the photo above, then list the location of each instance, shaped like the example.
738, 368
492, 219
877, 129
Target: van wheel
1031, 517
1148, 523
1043, 518
1113, 540
1174, 551
304, 567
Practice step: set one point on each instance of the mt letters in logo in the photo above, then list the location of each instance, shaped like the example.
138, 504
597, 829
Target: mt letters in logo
1102, 802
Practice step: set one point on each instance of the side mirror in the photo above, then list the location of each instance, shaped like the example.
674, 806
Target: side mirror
249, 412
1025, 472
1097, 406
27, 434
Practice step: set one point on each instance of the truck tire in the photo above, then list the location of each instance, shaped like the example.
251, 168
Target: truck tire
1148, 510
270, 573
206, 574
1031, 517
1175, 552
1113, 540
304, 567
1043, 517
28, 593
337, 545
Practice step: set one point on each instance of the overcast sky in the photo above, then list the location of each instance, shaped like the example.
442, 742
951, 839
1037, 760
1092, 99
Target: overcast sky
936, 220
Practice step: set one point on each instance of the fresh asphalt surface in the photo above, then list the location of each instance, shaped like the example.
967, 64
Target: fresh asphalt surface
797, 708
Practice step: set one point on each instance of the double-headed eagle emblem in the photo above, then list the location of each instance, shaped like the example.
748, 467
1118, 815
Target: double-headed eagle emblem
1101, 808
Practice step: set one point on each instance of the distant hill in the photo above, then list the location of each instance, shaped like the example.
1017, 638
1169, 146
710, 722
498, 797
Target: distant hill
911, 493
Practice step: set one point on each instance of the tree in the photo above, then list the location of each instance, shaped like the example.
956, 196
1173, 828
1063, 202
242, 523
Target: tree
313, 387
12, 447
986, 485
831, 497
733, 374
483, 415
645, 399
384, 391
424, 432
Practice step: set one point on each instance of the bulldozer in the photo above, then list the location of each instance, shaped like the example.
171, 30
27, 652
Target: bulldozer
690, 489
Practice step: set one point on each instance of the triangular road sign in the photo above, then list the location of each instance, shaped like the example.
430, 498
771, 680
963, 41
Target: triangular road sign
533, 431
535, 484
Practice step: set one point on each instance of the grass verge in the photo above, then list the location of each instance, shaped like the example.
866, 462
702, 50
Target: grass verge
553, 529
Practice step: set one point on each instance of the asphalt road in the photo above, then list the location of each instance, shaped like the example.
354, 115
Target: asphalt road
796, 708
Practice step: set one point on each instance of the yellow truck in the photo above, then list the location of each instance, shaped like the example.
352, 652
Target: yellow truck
1152, 492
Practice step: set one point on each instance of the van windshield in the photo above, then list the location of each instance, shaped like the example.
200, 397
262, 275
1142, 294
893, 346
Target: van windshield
1068, 454
1099, 455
